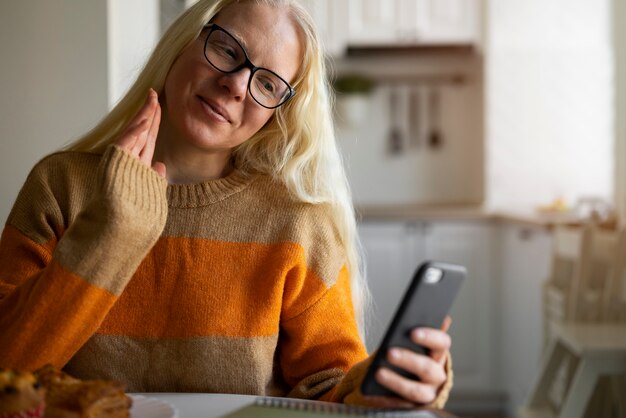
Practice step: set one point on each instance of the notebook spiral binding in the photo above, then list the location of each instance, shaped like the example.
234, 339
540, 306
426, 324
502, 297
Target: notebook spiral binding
337, 408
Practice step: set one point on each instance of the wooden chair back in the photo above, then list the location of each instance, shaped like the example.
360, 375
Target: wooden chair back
614, 298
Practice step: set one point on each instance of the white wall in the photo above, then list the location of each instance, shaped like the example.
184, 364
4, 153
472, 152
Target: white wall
133, 30
64, 63
53, 80
549, 101
619, 45
418, 174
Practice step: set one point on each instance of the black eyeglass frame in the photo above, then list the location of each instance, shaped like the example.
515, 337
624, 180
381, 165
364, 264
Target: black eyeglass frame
246, 64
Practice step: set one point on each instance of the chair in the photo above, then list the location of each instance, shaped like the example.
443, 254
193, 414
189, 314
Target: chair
614, 299
569, 252
594, 350
583, 270
580, 346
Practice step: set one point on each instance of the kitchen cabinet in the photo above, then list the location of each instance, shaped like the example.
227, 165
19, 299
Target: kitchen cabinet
367, 23
393, 249
412, 22
328, 15
524, 263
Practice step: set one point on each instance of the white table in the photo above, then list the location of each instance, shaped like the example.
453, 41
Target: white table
203, 405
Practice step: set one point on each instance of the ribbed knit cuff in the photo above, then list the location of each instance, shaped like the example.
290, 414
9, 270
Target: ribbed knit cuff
114, 232
125, 178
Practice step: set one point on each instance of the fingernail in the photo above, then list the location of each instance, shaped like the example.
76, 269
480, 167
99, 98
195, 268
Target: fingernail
383, 374
419, 334
395, 354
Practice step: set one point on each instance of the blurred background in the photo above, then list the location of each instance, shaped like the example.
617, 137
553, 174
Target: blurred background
470, 128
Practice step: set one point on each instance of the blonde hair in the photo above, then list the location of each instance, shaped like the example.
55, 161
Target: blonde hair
297, 146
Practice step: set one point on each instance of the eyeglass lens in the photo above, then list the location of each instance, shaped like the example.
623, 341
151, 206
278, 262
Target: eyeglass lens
226, 54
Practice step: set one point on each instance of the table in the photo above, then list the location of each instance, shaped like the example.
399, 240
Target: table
208, 405
203, 405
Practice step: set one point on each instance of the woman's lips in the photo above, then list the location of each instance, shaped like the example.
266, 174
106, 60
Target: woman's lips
215, 111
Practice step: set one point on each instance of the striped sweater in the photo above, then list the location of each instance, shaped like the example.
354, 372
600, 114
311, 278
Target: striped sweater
225, 286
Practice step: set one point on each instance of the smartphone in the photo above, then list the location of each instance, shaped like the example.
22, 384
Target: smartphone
426, 303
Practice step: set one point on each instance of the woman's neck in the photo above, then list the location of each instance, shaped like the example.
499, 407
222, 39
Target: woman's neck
186, 163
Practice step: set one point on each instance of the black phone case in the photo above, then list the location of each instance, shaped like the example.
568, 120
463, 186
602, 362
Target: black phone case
423, 305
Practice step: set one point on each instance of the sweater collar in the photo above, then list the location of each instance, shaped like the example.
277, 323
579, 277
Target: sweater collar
209, 192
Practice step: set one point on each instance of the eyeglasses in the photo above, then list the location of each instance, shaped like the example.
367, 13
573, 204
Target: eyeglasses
227, 55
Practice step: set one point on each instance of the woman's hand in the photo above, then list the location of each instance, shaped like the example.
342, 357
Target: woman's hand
139, 137
430, 369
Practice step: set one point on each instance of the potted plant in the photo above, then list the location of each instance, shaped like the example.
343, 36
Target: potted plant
353, 92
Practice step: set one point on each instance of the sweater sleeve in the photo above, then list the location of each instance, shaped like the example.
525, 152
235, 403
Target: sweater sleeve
59, 277
322, 354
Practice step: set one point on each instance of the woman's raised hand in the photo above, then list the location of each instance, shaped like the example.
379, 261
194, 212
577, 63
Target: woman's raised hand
139, 137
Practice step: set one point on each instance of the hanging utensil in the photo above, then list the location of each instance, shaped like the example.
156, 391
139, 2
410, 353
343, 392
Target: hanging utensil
435, 139
394, 142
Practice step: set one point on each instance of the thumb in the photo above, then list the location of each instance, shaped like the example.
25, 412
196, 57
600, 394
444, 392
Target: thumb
446, 323
159, 167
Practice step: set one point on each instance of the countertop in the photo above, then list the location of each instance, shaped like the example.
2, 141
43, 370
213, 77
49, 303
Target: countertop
464, 212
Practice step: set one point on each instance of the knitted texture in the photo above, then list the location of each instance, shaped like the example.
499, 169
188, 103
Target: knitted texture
225, 286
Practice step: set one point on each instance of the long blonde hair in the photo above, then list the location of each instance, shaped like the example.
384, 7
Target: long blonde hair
297, 146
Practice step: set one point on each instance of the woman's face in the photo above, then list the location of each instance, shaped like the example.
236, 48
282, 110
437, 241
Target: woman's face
213, 110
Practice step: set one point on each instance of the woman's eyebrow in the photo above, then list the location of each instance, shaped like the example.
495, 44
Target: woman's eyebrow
237, 37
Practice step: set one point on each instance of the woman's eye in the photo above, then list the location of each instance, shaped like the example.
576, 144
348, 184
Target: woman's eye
225, 51
266, 85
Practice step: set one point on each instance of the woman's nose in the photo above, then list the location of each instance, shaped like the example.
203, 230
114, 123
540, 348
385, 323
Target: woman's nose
236, 83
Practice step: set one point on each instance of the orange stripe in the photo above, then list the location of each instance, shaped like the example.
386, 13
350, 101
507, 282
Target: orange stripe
335, 337
49, 318
212, 288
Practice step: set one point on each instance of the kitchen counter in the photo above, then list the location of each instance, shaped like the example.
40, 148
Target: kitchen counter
464, 212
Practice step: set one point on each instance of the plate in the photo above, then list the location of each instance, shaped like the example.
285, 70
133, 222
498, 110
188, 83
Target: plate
145, 407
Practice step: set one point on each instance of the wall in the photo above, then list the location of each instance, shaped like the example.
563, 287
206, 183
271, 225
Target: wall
133, 30
619, 46
53, 80
64, 64
549, 106
418, 173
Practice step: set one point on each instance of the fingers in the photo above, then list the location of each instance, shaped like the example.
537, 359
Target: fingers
429, 369
135, 136
447, 322
424, 367
437, 341
159, 167
411, 390
147, 110
148, 150
139, 138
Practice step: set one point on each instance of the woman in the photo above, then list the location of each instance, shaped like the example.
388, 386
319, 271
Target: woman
202, 238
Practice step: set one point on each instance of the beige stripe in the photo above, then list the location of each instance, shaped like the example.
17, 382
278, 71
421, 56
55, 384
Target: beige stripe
199, 364
264, 213
54, 192
112, 235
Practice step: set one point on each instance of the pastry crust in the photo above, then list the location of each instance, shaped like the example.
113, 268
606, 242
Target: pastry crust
20, 392
68, 397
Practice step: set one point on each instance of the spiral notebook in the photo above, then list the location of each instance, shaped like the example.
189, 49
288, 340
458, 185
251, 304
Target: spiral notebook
268, 407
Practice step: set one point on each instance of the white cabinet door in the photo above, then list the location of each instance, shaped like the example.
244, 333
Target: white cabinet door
372, 22
330, 19
449, 21
413, 22
474, 347
389, 249
525, 257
